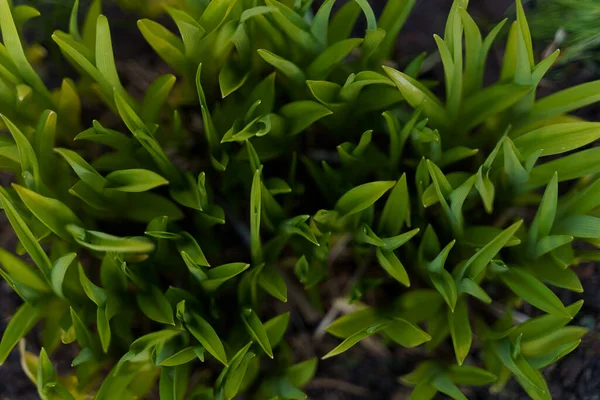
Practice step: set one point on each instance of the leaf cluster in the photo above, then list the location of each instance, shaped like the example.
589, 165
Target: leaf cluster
157, 243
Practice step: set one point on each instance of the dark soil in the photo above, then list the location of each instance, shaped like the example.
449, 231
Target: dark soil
360, 373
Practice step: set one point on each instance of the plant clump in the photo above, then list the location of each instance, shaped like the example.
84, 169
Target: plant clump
159, 244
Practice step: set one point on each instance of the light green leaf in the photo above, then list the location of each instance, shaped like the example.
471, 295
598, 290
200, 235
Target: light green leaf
362, 197
568, 167
83, 170
392, 265
168, 46
533, 291
26, 237
276, 327
216, 276
272, 282
558, 138
52, 213
418, 95
156, 97
14, 48
99, 241
59, 271
460, 330
134, 180
105, 60
396, 210
580, 226
29, 162
155, 305
301, 114
405, 333
355, 338
255, 216
490, 101
257, 330
207, 336
566, 100
21, 272
26, 317
326, 61
477, 263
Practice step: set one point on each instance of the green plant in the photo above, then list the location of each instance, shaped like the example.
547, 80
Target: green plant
571, 24
137, 236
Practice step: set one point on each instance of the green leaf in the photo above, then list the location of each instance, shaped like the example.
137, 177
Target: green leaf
15, 51
392, 243
343, 21
153, 339
362, 197
299, 115
272, 282
392, 20
59, 272
216, 276
392, 265
134, 180
580, 226
533, 291
396, 210
29, 162
21, 272
155, 305
405, 334
156, 97
544, 217
320, 23
207, 336
93, 292
568, 167
582, 202
26, 237
183, 356
83, 170
168, 46
232, 376
558, 138
287, 68
103, 326
469, 286
531, 380
354, 322
105, 61
355, 338
99, 241
552, 341
302, 373
26, 317
460, 330
52, 213
538, 327
566, 100
418, 95
326, 61
276, 327
257, 330
255, 217
490, 101
190, 29
469, 375
477, 263
445, 285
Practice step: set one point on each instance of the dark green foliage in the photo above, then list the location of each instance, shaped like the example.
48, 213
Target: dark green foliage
157, 245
